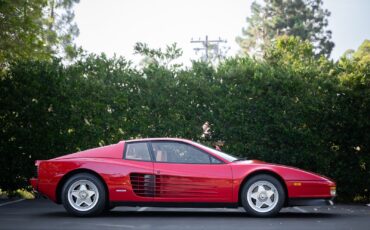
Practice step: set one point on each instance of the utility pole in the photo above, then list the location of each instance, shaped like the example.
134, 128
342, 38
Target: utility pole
208, 45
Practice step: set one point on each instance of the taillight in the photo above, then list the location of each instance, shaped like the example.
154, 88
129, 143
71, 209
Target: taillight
333, 191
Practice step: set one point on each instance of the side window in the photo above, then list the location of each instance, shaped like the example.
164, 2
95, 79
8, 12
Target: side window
215, 161
175, 152
137, 151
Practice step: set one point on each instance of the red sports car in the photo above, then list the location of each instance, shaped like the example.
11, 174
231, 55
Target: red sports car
177, 173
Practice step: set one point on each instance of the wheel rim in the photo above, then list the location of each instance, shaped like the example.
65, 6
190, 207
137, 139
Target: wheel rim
83, 195
262, 196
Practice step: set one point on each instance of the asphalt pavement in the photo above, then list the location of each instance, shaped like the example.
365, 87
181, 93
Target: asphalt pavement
42, 214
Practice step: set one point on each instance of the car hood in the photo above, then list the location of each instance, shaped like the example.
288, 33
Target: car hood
286, 172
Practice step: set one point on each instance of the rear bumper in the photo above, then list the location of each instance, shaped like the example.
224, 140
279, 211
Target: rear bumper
310, 202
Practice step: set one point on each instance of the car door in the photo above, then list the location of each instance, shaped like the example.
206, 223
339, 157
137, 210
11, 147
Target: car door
138, 166
185, 173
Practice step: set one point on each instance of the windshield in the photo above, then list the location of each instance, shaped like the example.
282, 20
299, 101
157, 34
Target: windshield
223, 155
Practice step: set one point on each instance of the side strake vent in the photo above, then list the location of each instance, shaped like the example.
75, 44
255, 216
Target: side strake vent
183, 187
143, 184
149, 185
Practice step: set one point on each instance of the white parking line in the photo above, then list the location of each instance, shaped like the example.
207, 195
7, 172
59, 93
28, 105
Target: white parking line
142, 209
11, 202
300, 209
116, 225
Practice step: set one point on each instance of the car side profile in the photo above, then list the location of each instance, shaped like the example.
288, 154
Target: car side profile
177, 173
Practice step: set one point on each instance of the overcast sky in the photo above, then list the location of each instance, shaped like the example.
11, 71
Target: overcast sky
114, 26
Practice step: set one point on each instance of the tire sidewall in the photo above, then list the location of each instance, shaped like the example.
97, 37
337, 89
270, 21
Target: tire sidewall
278, 186
101, 203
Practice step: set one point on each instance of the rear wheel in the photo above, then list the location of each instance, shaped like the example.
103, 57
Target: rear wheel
84, 195
263, 195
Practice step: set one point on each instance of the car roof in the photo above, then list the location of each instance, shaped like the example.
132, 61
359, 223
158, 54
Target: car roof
158, 139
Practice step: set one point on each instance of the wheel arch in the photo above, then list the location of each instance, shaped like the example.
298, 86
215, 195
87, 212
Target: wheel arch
64, 179
259, 172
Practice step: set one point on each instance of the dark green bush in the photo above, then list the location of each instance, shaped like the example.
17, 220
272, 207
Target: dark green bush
289, 108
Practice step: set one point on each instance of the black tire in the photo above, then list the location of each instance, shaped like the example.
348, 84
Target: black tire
271, 203
99, 197
108, 208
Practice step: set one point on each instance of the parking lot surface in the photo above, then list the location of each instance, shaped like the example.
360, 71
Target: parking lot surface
43, 214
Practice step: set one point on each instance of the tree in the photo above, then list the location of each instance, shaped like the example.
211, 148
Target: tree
302, 18
158, 57
61, 29
353, 124
290, 51
362, 55
36, 29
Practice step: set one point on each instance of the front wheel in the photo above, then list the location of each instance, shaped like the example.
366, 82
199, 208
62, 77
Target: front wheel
263, 196
84, 195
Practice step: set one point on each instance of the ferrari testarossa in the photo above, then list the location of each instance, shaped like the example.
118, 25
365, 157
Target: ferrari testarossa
173, 172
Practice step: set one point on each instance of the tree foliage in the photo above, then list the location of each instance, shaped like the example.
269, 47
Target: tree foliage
158, 56
362, 55
302, 18
37, 29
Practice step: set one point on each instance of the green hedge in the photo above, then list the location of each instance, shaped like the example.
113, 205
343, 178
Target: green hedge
297, 110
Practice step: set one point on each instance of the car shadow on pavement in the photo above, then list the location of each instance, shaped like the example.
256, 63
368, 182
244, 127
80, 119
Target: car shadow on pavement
181, 214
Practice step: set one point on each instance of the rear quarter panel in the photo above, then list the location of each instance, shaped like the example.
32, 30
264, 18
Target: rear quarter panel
114, 172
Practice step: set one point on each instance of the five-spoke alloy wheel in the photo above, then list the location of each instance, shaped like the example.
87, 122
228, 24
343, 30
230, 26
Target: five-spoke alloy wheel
84, 195
263, 195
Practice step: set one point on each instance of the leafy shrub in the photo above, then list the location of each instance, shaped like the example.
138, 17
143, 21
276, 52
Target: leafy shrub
289, 108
